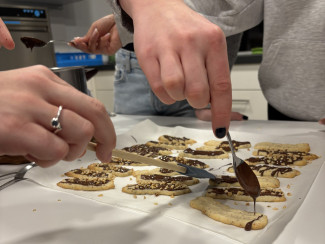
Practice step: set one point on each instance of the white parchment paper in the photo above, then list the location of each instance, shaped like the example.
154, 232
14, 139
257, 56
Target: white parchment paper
279, 214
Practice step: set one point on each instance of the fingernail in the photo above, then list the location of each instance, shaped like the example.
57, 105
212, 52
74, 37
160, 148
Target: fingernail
220, 132
245, 117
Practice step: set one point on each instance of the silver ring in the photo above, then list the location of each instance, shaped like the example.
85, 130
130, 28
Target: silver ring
55, 123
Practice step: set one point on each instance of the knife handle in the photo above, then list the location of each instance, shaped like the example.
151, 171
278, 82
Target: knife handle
141, 159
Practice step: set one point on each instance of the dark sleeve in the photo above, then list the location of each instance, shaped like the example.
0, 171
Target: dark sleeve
127, 21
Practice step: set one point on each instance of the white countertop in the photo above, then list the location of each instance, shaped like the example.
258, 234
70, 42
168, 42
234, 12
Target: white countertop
30, 213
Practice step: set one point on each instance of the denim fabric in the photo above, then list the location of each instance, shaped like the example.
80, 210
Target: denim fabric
133, 95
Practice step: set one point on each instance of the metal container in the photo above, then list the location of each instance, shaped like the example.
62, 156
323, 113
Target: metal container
75, 76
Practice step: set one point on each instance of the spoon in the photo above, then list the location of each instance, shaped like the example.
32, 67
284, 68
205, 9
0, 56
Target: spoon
31, 42
19, 175
246, 177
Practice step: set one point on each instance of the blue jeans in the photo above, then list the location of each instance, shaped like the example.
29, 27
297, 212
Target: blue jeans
133, 95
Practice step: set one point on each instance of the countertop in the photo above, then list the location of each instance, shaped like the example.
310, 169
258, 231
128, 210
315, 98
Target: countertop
31, 213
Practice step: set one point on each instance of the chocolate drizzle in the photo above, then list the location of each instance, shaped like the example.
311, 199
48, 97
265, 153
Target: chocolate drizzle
279, 161
249, 224
166, 178
275, 170
145, 150
86, 182
31, 42
201, 152
190, 162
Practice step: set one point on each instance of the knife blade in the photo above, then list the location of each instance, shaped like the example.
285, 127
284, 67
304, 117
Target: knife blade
181, 168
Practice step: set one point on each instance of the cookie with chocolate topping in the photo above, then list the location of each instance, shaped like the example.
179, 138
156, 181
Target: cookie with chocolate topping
266, 170
147, 151
204, 152
160, 178
280, 154
86, 184
227, 215
161, 171
231, 181
90, 174
176, 140
224, 145
111, 168
277, 161
239, 194
169, 189
190, 162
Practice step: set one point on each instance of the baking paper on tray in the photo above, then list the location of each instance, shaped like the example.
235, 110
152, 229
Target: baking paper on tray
279, 214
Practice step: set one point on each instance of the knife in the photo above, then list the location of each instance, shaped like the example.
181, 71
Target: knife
181, 168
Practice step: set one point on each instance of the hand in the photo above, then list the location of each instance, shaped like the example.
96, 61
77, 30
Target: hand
322, 121
5, 37
183, 56
101, 38
29, 99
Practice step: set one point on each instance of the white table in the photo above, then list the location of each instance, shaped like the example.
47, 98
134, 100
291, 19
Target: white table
30, 213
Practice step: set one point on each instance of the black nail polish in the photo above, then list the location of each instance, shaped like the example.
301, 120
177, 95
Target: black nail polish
220, 132
245, 117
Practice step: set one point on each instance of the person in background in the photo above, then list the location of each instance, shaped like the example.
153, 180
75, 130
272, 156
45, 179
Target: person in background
132, 92
291, 74
45, 119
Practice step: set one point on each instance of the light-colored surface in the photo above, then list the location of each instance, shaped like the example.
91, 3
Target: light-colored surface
33, 214
102, 88
247, 97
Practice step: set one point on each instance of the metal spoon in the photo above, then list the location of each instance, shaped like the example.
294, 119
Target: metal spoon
246, 177
19, 175
31, 42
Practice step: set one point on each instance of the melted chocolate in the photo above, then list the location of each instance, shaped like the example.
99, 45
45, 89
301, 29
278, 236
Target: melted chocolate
145, 150
173, 138
249, 225
158, 186
83, 182
31, 42
201, 152
248, 180
275, 170
166, 178
280, 161
190, 162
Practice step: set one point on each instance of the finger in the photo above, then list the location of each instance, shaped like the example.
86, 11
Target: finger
197, 91
172, 76
43, 146
93, 41
5, 37
220, 86
92, 110
151, 69
76, 131
104, 44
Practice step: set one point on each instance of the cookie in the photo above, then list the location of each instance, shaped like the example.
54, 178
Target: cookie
266, 170
239, 194
89, 174
203, 152
176, 140
270, 146
227, 215
125, 162
86, 185
295, 155
189, 162
169, 189
224, 145
231, 181
161, 171
111, 168
159, 178
277, 161
148, 151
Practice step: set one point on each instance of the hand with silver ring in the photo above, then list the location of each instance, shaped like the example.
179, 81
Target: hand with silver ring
32, 117
55, 121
